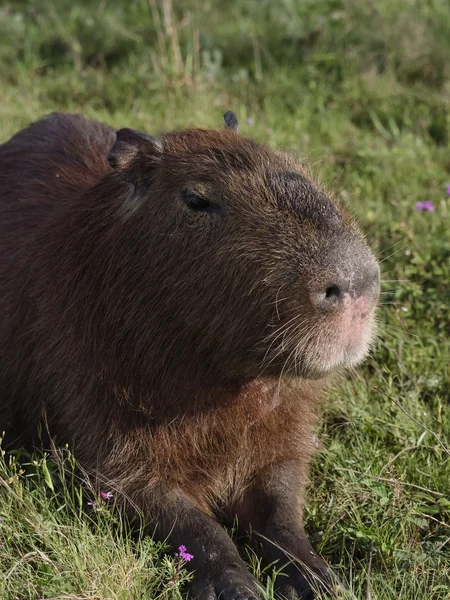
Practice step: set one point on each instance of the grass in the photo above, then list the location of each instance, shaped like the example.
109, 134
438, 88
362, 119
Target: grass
362, 92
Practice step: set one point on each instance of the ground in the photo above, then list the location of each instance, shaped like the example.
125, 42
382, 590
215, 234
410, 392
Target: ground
361, 91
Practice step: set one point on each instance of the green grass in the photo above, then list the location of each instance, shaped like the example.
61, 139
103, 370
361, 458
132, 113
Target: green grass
362, 92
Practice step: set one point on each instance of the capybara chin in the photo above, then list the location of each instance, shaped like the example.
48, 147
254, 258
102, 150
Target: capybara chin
173, 308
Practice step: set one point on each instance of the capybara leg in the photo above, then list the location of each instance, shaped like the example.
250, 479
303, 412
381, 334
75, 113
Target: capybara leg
306, 572
273, 511
218, 570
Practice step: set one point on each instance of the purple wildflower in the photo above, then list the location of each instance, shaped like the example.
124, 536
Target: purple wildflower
250, 121
183, 554
448, 189
92, 503
106, 495
427, 205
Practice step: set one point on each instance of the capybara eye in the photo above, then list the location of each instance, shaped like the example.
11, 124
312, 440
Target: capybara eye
198, 203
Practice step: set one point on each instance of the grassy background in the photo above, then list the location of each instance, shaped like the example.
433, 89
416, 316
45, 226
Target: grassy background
363, 91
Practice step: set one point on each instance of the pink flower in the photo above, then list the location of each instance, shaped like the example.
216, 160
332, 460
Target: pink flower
448, 189
106, 495
183, 554
427, 205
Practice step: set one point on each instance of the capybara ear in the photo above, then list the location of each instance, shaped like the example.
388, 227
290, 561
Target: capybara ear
131, 145
231, 121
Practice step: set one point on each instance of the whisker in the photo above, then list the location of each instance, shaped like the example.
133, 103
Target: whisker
403, 330
276, 299
391, 304
393, 253
392, 245
295, 330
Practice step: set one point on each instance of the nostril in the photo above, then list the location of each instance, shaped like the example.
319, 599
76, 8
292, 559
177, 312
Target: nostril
330, 297
333, 292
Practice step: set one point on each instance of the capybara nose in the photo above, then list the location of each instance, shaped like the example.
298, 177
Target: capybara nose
332, 296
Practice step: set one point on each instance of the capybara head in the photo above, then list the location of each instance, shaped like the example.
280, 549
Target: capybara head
237, 257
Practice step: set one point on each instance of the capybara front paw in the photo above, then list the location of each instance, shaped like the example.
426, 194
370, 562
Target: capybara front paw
309, 585
226, 586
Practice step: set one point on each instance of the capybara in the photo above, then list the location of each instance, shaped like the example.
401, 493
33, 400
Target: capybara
173, 308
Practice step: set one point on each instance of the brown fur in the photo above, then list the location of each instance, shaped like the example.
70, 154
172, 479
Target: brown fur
182, 353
